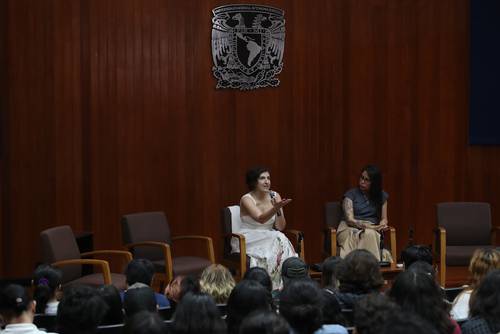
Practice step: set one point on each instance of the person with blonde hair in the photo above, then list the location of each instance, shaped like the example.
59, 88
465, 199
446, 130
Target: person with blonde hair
217, 281
483, 261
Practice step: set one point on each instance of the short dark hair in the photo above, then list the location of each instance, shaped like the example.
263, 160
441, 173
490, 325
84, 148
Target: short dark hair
80, 311
371, 313
264, 322
14, 300
139, 299
111, 296
260, 275
416, 253
484, 301
46, 281
140, 271
197, 313
407, 323
253, 175
301, 304
189, 284
359, 272
145, 322
422, 267
329, 271
246, 297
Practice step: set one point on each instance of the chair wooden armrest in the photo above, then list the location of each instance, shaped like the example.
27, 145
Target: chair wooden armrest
332, 232
392, 242
441, 245
208, 240
243, 251
126, 255
299, 237
167, 255
494, 230
104, 265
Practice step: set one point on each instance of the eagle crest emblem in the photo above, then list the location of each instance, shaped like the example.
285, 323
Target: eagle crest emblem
248, 42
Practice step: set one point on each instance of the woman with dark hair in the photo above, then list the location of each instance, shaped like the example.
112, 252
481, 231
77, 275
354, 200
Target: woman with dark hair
47, 283
485, 306
264, 322
365, 215
246, 297
358, 275
260, 275
111, 296
17, 310
197, 313
139, 299
329, 272
418, 293
145, 322
262, 219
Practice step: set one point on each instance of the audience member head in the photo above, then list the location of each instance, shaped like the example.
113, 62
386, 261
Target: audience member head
217, 281
181, 285
359, 273
140, 299
485, 301
407, 323
416, 253
139, 271
197, 313
301, 305
329, 272
47, 283
260, 275
111, 296
371, 313
16, 305
418, 292
332, 312
253, 175
264, 322
80, 311
246, 297
483, 261
422, 267
145, 322
293, 268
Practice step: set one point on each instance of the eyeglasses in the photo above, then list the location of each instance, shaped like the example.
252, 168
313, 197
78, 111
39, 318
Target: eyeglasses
363, 178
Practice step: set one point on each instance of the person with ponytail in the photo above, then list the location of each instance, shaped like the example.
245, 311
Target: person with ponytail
18, 310
47, 283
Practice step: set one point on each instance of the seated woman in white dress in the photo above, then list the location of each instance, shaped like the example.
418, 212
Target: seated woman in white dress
262, 219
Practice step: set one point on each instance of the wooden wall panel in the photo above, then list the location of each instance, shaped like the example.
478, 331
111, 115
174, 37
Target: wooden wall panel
112, 109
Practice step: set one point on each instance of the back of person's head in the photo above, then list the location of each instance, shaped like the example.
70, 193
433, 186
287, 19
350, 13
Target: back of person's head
145, 322
14, 301
301, 303
111, 296
217, 281
418, 292
483, 261
371, 313
46, 281
329, 271
422, 267
359, 272
260, 275
293, 268
406, 323
264, 322
139, 271
197, 313
332, 312
246, 297
80, 311
485, 301
416, 253
140, 299
189, 284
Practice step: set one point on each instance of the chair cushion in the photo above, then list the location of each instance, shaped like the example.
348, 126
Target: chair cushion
119, 280
185, 265
461, 255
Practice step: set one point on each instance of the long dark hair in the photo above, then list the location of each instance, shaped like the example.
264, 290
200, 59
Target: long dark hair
197, 313
375, 193
46, 281
418, 293
485, 301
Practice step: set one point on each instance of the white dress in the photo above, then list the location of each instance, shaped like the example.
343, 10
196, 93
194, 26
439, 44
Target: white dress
266, 247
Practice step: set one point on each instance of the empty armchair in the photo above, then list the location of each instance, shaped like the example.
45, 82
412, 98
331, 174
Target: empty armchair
59, 249
147, 235
462, 228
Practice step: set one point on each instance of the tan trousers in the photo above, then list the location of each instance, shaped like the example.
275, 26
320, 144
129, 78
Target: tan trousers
350, 238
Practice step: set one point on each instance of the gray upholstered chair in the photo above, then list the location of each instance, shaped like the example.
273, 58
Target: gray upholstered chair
333, 216
462, 228
147, 235
240, 262
59, 249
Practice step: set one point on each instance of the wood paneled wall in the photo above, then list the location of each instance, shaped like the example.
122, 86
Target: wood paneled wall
111, 108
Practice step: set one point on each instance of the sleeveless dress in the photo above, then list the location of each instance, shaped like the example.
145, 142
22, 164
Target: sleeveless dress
266, 247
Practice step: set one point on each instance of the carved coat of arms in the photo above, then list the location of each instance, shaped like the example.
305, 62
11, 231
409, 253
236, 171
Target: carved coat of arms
248, 42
